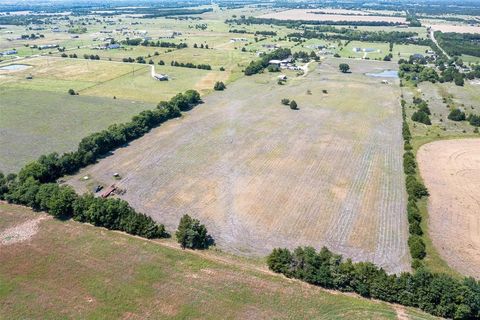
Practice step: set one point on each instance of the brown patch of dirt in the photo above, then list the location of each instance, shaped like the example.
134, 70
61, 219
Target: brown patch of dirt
451, 171
20, 232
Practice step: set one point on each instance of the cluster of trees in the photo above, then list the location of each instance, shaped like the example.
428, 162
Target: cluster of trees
305, 56
73, 56
415, 190
422, 114
438, 294
257, 66
191, 234
32, 36
91, 56
265, 33
35, 186
219, 86
331, 33
201, 46
150, 43
191, 65
62, 202
456, 44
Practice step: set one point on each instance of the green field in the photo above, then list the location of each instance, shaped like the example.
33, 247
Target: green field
36, 122
76, 271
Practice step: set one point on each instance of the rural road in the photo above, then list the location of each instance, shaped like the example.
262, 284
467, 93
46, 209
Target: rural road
432, 36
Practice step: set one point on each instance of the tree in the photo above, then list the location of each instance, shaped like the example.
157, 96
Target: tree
293, 105
344, 67
219, 86
456, 115
191, 234
71, 92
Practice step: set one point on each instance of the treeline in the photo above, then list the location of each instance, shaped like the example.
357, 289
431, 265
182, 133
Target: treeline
415, 190
158, 44
257, 66
438, 294
331, 33
297, 23
174, 12
456, 44
190, 65
35, 186
62, 202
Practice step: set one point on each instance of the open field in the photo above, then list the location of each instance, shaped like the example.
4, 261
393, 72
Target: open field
262, 176
307, 14
72, 270
451, 171
39, 122
459, 28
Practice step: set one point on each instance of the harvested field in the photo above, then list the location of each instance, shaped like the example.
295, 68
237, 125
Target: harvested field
451, 171
459, 28
307, 14
260, 175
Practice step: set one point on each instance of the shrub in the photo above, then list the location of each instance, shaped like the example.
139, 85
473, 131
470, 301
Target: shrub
344, 67
286, 101
219, 86
422, 117
71, 92
293, 105
415, 189
474, 120
456, 115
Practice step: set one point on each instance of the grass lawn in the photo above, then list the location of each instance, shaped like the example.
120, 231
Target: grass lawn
38, 122
72, 270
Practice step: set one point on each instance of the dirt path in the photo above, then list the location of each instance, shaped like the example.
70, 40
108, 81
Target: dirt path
451, 171
432, 37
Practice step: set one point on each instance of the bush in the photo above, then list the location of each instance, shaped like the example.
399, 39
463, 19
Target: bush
71, 92
286, 101
417, 247
422, 117
219, 86
474, 120
191, 234
456, 115
344, 67
293, 105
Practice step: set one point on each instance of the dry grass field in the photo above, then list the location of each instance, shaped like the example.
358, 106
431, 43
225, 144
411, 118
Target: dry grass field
459, 28
451, 171
260, 175
68, 270
307, 14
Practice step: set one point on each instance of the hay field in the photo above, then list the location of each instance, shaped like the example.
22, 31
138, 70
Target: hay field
71, 270
262, 176
306, 14
451, 172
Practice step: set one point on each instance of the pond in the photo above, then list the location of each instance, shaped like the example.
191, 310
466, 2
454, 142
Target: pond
384, 74
15, 67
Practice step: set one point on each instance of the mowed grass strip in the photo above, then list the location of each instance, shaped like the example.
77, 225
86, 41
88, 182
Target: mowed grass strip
72, 270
